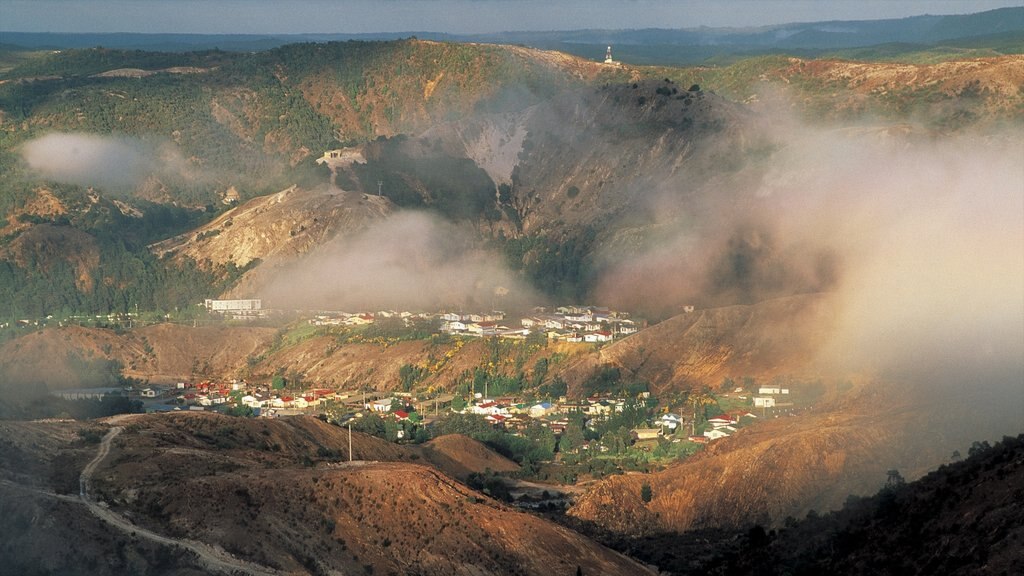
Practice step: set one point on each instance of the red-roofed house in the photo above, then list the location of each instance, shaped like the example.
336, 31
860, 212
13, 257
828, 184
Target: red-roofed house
721, 420
599, 336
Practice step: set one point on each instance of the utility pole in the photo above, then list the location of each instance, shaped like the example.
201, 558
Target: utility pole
380, 184
349, 440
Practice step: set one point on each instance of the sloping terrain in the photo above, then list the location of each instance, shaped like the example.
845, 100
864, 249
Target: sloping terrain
969, 511
458, 456
777, 468
283, 225
162, 353
778, 337
590, 162
282, 495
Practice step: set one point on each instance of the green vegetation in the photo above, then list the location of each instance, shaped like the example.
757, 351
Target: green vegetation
428, 178
560, 268
537, 445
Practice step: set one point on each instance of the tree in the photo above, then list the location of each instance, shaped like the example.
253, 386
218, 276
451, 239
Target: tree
645, 492
572, 437
458, 404
699, 400
894, 479
279, 382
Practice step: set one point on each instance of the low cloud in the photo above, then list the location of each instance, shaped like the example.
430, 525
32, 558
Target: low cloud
411, 261
117, 164
917, 238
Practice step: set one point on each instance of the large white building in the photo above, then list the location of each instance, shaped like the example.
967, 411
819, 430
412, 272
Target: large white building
252, 308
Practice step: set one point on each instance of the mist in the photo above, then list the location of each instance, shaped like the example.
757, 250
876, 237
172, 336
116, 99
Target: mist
410, 261
115, 164
916, 238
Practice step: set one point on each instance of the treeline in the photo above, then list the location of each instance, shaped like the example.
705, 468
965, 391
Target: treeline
95, 259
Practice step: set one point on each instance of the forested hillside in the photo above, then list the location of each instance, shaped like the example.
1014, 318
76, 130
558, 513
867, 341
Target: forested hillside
548, 158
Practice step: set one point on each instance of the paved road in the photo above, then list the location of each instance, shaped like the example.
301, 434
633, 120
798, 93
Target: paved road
214, 559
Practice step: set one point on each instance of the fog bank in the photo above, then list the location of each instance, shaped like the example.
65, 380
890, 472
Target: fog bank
410, 261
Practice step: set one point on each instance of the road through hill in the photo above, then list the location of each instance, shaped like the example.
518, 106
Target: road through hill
213, 559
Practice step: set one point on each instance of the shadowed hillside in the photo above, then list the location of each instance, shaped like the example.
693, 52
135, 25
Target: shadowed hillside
282, 495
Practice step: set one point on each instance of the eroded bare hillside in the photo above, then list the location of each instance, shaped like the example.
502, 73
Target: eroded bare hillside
280, 495
63, 357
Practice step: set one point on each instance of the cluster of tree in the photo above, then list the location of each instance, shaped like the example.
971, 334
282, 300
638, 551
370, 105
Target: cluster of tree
560, 268
415, 175
535, 446
609, 380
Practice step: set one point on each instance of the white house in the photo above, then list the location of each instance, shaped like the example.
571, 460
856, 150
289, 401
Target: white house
772, 390
599, 336
454, 326
764, 401
671, 421
382, 405
716, 433
252, 401
542, 409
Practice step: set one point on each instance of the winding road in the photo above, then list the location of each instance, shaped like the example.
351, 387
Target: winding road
212, 558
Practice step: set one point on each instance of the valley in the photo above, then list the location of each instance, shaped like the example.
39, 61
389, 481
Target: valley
417, 306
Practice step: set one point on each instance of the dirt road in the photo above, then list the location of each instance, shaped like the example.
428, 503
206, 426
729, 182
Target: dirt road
213, 559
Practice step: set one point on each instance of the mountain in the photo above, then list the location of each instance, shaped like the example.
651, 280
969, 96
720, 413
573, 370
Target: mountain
811, 460
280, 494
564, 165
645, 46
969, 508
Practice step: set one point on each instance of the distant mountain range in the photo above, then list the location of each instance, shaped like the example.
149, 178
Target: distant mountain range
646, 46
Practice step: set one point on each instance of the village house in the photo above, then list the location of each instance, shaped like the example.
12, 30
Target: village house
641, 434
716, 433
671, 421
721, 420
772, 390
540, 410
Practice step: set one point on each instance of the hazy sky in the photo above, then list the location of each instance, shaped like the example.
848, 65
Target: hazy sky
456, 16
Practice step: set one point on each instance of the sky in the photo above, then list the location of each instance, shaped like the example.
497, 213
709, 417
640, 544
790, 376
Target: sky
451, 16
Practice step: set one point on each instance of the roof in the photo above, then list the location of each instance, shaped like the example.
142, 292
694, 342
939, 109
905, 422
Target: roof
401, 414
